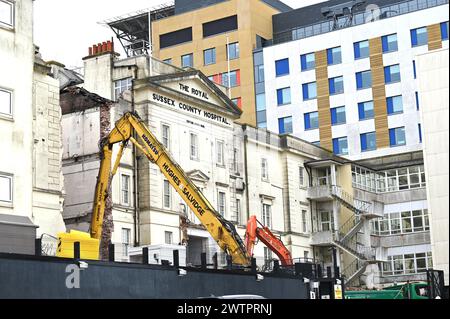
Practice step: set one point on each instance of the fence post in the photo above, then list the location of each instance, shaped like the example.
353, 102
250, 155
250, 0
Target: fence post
111, 252
176, 258
203, 260
38, 247
253, 265
145, 255
229, 262
76, 250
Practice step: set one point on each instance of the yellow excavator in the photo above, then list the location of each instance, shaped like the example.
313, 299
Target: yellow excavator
220, 229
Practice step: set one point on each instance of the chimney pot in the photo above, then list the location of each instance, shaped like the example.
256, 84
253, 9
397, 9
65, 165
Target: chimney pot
104, 47
90, 51
99, 47
109, 46
94, 49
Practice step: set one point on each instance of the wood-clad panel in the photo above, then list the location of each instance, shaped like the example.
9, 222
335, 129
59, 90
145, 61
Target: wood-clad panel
434, 37
323, 100
379, 93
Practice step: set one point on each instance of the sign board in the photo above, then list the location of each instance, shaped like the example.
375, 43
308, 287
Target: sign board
337, 291
189, 109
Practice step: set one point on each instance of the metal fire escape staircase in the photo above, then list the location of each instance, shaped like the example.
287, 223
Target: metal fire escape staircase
347, 234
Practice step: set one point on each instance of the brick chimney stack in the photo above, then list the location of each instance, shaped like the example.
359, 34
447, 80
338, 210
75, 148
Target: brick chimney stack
101, 48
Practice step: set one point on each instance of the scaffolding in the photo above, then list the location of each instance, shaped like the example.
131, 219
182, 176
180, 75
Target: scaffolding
133, 29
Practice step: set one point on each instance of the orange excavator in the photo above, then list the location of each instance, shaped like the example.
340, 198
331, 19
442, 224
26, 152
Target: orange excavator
256, 230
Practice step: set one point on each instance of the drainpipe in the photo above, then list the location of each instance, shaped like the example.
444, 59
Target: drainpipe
135, 168
311, 207
247, 196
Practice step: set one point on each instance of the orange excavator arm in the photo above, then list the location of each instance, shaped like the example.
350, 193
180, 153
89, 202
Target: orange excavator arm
268, 238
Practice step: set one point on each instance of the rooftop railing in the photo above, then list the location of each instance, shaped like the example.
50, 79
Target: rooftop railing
358, 19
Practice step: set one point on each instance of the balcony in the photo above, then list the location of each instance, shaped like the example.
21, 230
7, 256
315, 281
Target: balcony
321, 189
322, 238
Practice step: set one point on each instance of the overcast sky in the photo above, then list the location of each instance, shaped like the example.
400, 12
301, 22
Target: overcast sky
64, 29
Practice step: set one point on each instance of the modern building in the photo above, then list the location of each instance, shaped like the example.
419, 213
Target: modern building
349, 85
30, 166
216, 37
432, 74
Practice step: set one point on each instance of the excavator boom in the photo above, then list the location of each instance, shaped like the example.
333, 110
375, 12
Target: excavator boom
220, 229
268, 238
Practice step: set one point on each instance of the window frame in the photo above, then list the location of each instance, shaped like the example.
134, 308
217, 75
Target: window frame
304, 62
221, 206
362, 110
385, 43
357, 49
360, 85
194, 145
266, 215
125, 190
264, 169
330, 54
213, 56
334, 116
333, 80
336, 141
191, 55
126, 234
282, 120
9, 177
367, 149
122, 85
220, 153
308, 120
5, 24
236, 50
388, 79
281, 90
277, 72
306, 86
11, 102
415, 39
166, 140
394, 130
167, 195
391, 105
168, 235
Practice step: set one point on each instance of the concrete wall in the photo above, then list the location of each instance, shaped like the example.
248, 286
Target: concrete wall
433, 93
16, 63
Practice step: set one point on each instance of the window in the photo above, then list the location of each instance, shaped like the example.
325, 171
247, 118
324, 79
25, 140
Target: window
419, 37
175, 37
126, 238
444, 31
209, 56
284, 96
238, 102
309, 91
414, 69
325, 221
392, 74
368, 142
233, 51
267, 215
340, 146
397, 136
220, 26
6, 187
285, 125
268, 257
334, 56
234, 79
166, 135
121, 86
282, 67
365, 110
238, 211
261, 117
336, 85
194, 146
308, 61
389, 43
311, 120
6, 13
417, 101
125, 186
264, 169
301, 174
363, 80
168, 61
394, 104
166, 194
221, 203
420, 132
338, 115
168, 237
187, 60
361, 49
220, 153
304, 221
413, 263
5, 102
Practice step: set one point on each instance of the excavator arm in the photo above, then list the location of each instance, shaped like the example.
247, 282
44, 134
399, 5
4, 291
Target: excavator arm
268, 238
220, 229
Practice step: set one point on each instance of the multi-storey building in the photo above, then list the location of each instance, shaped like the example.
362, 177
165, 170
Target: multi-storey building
30, 165
216, 37
349, 83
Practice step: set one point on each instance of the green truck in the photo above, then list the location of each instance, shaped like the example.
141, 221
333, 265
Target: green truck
414, 290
